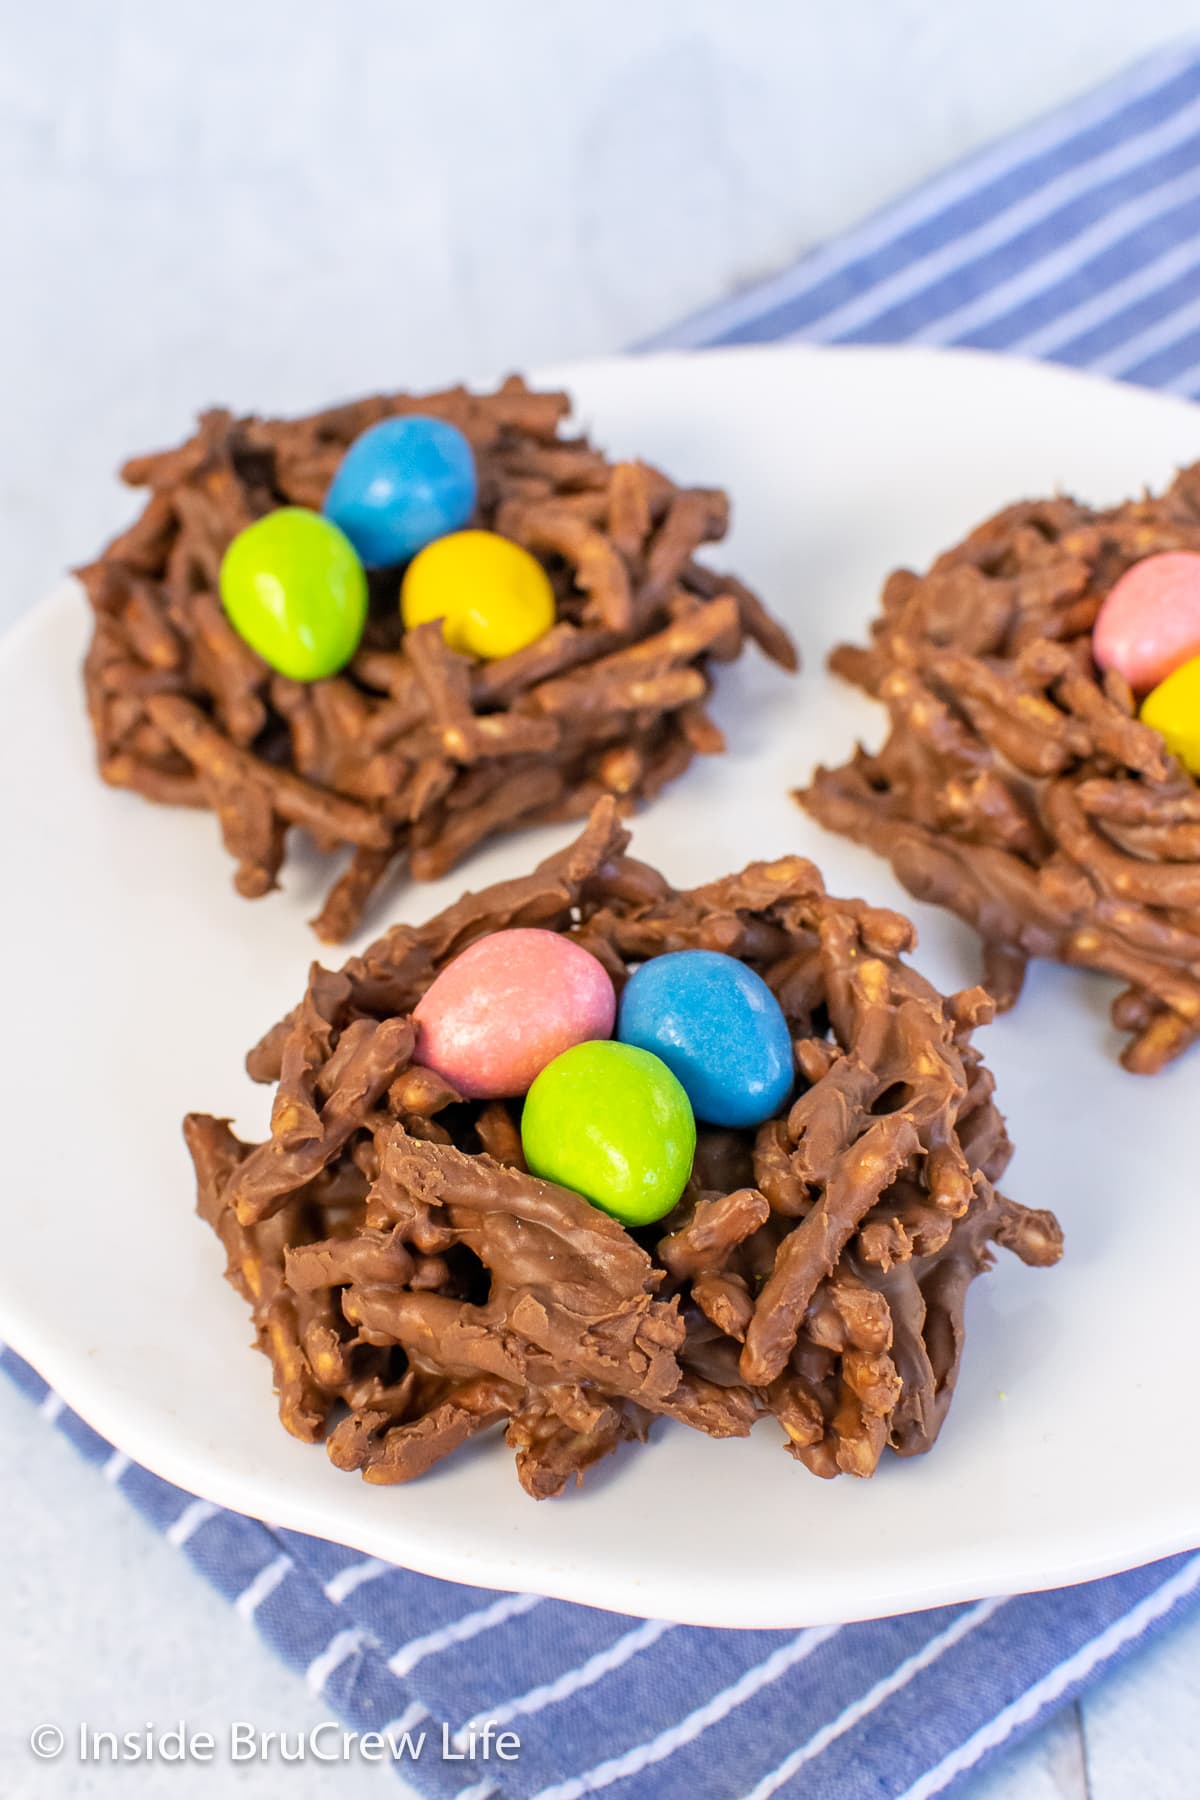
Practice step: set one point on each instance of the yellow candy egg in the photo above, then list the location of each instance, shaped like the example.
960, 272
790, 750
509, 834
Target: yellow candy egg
492, 596
1173, 708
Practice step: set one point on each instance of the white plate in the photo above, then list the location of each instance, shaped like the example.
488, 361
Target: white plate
135, 980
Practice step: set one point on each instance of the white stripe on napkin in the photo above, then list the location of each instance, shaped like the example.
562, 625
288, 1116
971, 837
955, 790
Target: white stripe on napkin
346, 1580
1051, 1687
1043, 271
339, 1648
875, 1696
1030, 209
1148, 278
412, 1715
1164, 335
665, 1744
604, 1662
115, 1467
926, 203
263, 1586
404, 1660
1185, 384
189, 1522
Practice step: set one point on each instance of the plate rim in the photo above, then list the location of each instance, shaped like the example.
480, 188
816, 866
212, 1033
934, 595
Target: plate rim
190, 1464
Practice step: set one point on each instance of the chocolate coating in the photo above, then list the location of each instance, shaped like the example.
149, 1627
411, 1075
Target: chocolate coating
409, 1278
1017, 786
413, 754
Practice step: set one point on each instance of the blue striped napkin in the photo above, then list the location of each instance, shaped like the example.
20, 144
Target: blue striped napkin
1078, 239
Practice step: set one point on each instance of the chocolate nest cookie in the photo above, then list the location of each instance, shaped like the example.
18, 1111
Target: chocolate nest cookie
1017, 785
413, 1284
413, 754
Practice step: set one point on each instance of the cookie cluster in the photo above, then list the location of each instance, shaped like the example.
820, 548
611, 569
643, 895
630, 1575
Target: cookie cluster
251, 657
414, 1282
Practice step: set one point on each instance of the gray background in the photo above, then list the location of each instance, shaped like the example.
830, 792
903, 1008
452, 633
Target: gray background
273, 204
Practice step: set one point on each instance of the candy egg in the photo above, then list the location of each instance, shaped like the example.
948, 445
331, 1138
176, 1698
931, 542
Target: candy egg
507, 1006
493, 597
401, 484
612, 1122
1174, 710
1150, 622
293, 587
719, 1029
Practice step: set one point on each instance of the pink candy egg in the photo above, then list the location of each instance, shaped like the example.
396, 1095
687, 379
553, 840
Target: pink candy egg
1149, 625
509, 1005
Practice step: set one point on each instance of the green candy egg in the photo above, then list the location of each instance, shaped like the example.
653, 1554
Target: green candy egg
612, 1122
293, 587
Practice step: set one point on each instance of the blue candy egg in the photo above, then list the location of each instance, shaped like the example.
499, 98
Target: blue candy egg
401, 484
719, 1029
